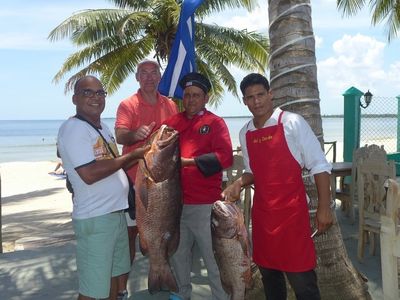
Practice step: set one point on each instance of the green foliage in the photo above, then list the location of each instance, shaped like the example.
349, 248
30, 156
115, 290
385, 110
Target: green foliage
381, 10
112, 42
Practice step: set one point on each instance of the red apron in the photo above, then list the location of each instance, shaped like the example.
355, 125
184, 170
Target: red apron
280, 220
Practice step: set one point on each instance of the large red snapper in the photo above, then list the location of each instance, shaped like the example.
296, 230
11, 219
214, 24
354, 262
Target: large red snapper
231, 247
159, 206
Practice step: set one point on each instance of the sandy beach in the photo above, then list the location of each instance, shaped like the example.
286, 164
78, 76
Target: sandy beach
36, 206
36, 223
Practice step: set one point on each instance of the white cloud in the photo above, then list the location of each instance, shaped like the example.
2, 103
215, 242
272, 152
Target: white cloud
361, 49
256, 20
394, 75
318, 41
356, 61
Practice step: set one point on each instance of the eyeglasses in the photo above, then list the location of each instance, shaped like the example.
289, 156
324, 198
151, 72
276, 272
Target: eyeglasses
90, 93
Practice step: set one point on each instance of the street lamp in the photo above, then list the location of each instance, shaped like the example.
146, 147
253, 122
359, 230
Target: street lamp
367, 99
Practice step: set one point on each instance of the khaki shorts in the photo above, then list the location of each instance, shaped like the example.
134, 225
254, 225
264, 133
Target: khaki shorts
102, 252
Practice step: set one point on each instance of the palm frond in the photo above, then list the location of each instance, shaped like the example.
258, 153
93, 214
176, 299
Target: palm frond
350, 7
212, 6
389, 10
104, 54
246, 50
132, 4
113, 41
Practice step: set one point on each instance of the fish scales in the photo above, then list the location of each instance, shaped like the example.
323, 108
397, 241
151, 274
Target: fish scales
159, 207
231, 247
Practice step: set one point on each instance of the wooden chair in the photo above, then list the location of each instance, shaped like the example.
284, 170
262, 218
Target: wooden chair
347, 192
390, 243
371, 176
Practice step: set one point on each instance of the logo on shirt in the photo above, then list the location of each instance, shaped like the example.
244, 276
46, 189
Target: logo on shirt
262, 139
204, 129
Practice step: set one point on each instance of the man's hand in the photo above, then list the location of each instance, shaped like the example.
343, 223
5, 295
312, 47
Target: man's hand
144, 131
232, 192
323, 219
134, 156
187, 162
140, 152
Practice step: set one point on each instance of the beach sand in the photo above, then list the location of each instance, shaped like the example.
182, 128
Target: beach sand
36, 221
36, 206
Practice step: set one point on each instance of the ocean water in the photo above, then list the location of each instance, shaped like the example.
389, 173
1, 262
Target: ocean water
36, 140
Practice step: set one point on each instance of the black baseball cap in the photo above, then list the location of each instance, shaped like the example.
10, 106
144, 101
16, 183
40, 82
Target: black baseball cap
195, 79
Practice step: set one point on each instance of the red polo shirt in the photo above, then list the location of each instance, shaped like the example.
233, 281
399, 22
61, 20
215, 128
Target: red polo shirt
134, 112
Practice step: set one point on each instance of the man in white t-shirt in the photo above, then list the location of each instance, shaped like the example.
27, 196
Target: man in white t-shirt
90, 158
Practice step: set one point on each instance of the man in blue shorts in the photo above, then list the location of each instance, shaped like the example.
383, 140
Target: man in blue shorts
90, 157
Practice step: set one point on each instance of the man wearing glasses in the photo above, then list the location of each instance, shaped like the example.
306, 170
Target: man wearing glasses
90, 157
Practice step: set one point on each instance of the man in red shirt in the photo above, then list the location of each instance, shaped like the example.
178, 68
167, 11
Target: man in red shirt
206, 150
137, 117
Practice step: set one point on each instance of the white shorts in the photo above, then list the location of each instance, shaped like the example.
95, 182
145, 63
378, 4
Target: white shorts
129, 221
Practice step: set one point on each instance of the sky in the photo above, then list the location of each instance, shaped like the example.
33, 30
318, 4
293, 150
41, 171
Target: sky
349, 51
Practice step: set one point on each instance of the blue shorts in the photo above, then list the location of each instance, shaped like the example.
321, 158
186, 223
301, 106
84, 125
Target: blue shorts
102, 252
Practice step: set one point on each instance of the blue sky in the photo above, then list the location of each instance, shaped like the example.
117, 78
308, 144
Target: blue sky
350, 52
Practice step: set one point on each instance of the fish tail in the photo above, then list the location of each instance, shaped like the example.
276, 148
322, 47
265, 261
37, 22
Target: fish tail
162, 279
168, 279
154, 281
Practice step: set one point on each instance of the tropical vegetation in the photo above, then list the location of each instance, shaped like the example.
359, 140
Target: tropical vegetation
112, 42
381, 11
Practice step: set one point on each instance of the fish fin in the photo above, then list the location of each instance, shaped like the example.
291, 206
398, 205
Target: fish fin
226, 287
168, 280
173, 243
161, 279
143, 247
144, 196
154, 282
248, 279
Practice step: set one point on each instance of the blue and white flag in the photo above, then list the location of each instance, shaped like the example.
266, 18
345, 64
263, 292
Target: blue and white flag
182, 59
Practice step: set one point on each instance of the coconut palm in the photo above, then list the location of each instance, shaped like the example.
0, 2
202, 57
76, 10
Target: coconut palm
113, 41
293, 76
381, 10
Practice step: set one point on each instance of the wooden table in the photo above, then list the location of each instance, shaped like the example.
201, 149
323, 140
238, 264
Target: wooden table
342, 169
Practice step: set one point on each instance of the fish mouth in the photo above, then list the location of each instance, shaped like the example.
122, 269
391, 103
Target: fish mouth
225, 219
161, 160
223, 208
166, 136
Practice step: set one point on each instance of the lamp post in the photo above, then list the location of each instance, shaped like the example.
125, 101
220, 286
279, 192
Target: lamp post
352, 119
367, 99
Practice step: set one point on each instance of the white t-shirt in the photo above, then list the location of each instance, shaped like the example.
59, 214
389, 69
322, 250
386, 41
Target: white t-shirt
301, 140
79, 144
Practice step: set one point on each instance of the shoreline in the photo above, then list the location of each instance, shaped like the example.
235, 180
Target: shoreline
34, 141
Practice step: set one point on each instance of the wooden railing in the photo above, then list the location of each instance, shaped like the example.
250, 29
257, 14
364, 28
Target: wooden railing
331, 147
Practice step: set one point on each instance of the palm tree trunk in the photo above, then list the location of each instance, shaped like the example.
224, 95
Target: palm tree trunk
293, 76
